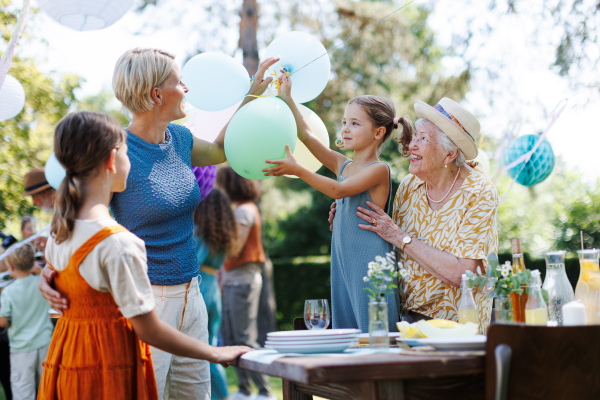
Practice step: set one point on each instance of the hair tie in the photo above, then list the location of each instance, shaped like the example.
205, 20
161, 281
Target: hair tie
396, 120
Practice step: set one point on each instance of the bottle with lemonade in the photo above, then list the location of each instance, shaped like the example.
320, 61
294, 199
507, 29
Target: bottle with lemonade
519, 300
467, 309
536, 311
588, 285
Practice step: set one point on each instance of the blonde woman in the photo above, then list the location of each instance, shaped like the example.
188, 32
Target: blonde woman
159, 203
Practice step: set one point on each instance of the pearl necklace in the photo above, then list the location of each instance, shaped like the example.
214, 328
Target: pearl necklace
439, 201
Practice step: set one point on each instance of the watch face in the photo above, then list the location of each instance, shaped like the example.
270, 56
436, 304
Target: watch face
406, 239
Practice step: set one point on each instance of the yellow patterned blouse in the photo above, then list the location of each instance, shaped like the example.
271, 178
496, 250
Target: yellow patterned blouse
465, 227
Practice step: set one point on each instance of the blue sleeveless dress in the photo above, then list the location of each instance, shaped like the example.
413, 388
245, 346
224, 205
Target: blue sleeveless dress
352, 249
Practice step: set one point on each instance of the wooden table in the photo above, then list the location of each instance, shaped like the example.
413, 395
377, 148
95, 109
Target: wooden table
377, 376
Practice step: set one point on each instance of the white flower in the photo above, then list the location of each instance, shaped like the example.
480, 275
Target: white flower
387, 279
379, 259
365, 279
403, 272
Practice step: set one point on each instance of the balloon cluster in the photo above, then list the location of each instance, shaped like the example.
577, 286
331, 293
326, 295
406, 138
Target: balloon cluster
261, 129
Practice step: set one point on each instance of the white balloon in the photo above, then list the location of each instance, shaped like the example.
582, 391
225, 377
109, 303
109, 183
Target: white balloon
318, 128
484, 161
207, 125
215, 81
296, 49
12, 98
54, 172
85, 15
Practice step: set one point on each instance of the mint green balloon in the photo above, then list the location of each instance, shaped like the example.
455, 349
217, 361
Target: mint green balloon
259, 131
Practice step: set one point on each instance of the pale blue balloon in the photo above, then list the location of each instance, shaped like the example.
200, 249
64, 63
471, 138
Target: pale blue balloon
296, 50
215, 81
54, 172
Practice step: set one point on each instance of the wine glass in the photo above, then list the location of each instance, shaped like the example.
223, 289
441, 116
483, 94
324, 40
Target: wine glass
316, 314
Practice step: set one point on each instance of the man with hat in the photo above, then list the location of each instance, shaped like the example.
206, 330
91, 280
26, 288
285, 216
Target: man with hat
39, 189
444, 220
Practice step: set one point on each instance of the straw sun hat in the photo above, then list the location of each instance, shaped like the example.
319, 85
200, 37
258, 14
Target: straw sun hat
35, 182
456, 122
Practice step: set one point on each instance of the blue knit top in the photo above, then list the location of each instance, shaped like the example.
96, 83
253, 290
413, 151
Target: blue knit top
159, 202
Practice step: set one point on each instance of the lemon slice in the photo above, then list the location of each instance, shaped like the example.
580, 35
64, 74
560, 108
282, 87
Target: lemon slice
414, 333
403, 326
443, 323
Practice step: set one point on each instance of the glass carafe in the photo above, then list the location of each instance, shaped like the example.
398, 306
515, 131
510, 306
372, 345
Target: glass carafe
557, 285
536, 311
588, 285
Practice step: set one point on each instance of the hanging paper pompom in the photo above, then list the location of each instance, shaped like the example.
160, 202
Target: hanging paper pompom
206, 177
85, 15
12, 98
538, 167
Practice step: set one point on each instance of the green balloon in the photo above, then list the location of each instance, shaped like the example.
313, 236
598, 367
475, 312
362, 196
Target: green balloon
259, 131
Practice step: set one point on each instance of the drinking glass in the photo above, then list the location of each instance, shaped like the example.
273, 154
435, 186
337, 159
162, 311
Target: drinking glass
316, 314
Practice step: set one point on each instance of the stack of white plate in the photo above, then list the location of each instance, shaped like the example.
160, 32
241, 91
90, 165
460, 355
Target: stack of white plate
310, 342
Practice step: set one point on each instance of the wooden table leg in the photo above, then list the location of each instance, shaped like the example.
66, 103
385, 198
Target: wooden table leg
290, 392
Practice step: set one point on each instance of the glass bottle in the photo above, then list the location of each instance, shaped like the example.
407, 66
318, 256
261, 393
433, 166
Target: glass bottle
588, 285
467, 309
557, 285
536, 311
379, 338
518, 300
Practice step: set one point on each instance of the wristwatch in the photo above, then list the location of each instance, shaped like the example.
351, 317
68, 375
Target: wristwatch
406, 240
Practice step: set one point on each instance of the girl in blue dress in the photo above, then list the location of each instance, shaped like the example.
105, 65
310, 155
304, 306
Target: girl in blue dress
215, 232
367, 124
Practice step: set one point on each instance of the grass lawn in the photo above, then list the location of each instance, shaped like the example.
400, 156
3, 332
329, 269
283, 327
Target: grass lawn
232, 383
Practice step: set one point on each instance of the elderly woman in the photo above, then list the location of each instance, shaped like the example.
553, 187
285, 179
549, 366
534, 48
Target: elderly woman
159, 202
444, 214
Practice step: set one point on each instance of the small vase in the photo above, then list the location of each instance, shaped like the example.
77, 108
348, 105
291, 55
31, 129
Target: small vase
504, 310
378, 324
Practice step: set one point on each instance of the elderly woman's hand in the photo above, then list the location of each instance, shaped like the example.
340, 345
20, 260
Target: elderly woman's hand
56, 301
259, 85
380, 223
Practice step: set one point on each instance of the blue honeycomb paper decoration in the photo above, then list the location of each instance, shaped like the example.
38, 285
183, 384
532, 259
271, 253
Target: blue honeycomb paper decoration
539, 166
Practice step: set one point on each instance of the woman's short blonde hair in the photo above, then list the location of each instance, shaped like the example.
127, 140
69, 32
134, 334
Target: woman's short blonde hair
136, 73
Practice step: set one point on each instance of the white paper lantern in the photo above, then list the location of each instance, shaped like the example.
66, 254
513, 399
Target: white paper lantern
85, 15
12, 98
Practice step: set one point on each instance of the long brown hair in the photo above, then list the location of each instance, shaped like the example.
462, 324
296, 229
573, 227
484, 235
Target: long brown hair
82, 142
215, 222
382, 112
238, 188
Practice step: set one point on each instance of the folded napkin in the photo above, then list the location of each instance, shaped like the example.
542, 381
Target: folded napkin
266, 356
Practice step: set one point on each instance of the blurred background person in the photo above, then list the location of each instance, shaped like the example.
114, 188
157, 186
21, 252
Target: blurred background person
241, 278
215, 232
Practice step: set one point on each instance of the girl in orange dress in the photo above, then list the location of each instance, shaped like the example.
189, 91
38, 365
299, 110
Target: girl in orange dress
100, 348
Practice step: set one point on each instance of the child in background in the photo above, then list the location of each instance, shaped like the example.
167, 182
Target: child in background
215, 232
367, 124
100, 348
30, 329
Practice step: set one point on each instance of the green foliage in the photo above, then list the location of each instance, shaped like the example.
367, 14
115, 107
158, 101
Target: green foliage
104, 102
580, 214
26, 140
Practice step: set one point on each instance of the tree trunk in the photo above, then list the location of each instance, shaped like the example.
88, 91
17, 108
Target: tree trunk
248, 41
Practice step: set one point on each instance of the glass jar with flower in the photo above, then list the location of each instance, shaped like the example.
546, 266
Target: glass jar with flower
501, 281
381, 276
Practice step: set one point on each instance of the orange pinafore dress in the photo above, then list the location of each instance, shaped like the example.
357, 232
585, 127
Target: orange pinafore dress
94, 353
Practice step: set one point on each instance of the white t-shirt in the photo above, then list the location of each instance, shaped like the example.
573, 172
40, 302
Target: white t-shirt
116, 265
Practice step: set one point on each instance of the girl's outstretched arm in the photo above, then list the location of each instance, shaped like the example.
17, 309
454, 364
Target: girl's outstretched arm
157, 333
329, 158
369, 177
